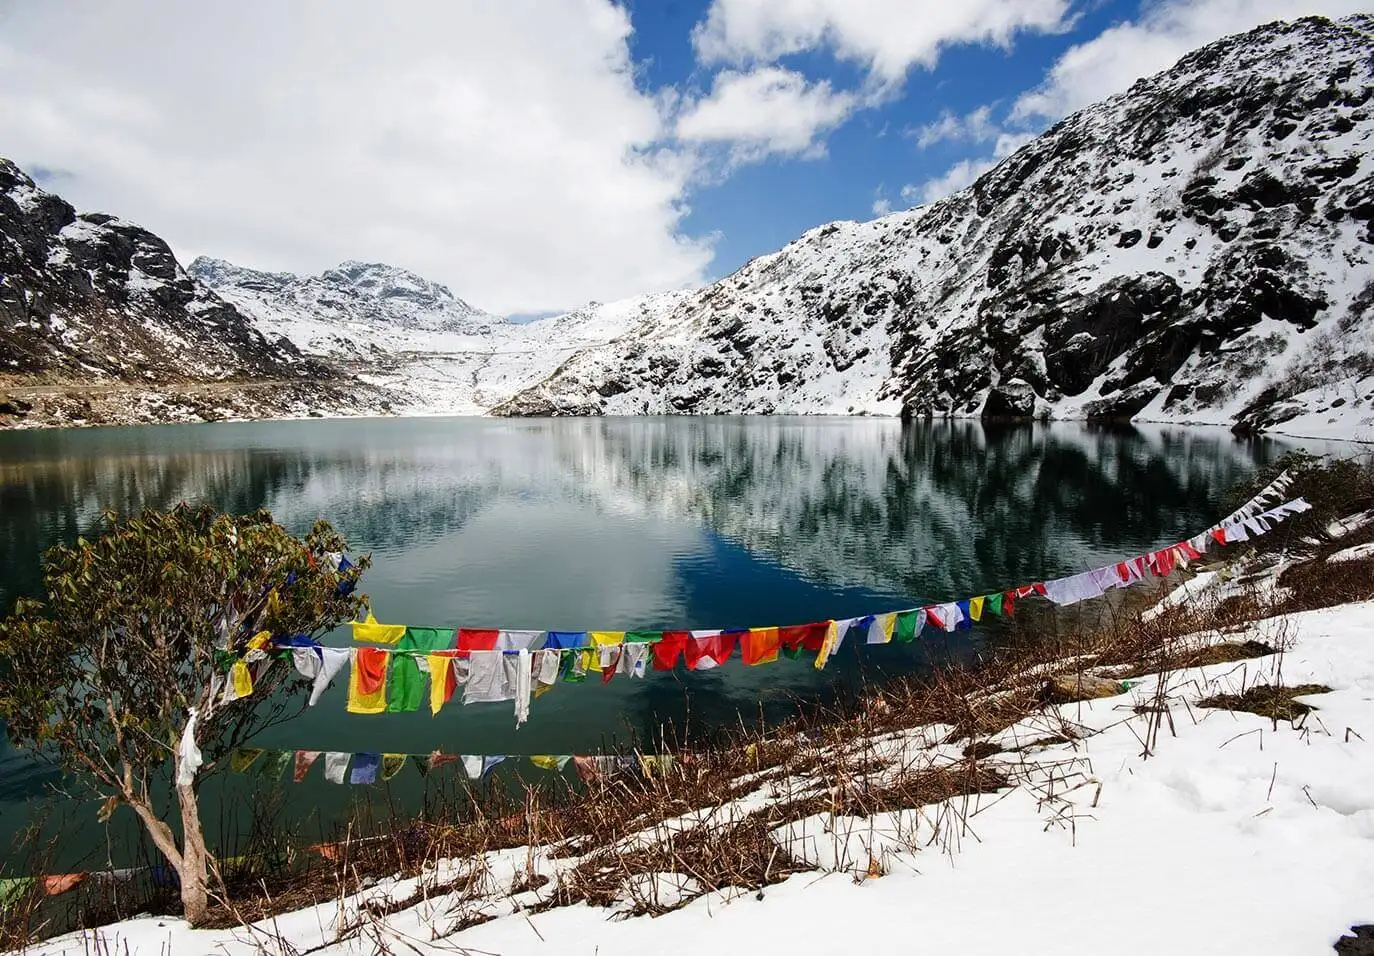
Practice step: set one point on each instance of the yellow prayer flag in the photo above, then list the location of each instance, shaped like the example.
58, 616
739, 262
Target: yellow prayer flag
243, 680
366, 688
374, 633
887, 624
392, 764
975, 608
832, 637
591, 658
442, 683
545, 761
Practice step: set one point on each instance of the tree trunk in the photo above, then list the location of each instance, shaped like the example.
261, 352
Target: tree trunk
194, 859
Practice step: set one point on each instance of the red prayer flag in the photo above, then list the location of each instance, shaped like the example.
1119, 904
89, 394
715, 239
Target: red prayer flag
472, 639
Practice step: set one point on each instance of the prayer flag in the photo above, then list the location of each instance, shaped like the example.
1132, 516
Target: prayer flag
405, 686
244, 757
367, 683
993, 603
642, 637
965, 621
443, 683
975, 609
428, 639
669, 649
760, 646
549, 761
392, 764
568, 640
881, 628
364, 768
472, 639
304, 758
275, 764
909, 624
372, 632
335, 765
802, 637
241, 680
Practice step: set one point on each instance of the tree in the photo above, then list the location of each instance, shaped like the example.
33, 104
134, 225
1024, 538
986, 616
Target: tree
151, 622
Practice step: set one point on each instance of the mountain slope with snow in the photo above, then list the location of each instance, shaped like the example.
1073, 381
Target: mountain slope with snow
414, 337
100, 324
1197, 249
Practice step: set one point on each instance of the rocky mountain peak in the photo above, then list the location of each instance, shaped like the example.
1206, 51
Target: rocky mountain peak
370, 293
1197, 249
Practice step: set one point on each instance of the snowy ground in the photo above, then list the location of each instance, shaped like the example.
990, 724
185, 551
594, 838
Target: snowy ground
1231, 836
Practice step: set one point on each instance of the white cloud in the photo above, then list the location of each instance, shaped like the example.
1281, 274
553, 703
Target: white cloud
976, 127
961, 174
1119, 56
888, 37
766, 111
966, 172
502, 148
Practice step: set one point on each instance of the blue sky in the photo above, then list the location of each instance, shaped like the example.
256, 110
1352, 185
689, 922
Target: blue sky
538, 154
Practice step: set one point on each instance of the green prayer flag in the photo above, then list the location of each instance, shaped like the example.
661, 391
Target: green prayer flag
908, 626
993, 604
643, 637
569, 667
275, 764
792, 653
427, 639
421, 764
405, 685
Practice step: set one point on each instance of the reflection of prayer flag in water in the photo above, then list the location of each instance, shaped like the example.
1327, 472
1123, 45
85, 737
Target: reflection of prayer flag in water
244, 757
336, 765
364, 768
275, 764
304, 758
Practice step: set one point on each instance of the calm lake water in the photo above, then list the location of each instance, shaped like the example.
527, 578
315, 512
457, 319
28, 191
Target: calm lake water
617, 524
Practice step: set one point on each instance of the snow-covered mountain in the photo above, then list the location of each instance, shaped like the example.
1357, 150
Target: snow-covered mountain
99, 323
413, 336
1196, 249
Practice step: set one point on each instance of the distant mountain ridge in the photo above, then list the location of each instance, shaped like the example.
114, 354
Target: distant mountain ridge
351, 291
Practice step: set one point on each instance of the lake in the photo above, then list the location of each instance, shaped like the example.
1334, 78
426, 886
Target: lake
617, 524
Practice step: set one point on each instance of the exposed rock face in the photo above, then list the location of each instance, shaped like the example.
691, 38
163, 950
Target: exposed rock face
94, 306
1196, 249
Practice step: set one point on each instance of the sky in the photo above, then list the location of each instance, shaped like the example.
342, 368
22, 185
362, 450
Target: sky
535, 155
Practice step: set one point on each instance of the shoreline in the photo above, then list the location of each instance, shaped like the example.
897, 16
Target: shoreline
415, 413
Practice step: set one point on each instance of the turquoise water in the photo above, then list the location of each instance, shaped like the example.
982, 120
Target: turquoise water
619, 524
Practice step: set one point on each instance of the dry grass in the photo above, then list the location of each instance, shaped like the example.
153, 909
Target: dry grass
1273, 701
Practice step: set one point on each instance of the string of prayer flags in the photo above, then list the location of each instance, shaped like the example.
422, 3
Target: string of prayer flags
518, 665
